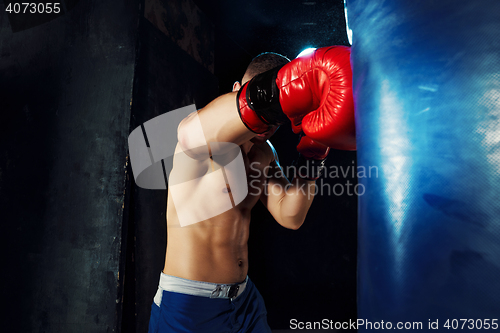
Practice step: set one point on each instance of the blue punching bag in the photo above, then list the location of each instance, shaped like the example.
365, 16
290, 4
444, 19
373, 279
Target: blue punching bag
427, 97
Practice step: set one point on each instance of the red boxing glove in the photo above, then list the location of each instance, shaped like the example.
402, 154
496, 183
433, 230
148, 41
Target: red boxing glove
311, 149
313, 91
316, 94
312, 156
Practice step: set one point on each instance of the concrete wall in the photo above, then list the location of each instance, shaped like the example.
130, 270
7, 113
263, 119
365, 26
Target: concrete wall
170, 74
65, 91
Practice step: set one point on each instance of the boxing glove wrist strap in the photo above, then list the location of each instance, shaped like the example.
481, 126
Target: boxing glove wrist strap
258, 102
309, 169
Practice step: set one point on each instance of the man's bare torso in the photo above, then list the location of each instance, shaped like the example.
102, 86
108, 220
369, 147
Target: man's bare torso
215, 250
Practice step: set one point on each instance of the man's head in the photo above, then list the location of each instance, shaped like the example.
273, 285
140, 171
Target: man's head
260, 64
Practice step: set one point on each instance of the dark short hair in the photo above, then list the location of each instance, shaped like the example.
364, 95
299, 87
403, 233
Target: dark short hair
264, 62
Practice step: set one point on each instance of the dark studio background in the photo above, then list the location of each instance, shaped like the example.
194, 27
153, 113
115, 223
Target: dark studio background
82, 245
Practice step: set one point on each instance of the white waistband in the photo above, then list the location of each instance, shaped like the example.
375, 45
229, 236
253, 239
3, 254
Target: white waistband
198, 288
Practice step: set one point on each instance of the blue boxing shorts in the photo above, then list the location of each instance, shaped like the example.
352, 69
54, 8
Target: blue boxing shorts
182, 305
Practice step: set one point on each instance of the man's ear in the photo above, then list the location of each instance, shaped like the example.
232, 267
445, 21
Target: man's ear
236, 86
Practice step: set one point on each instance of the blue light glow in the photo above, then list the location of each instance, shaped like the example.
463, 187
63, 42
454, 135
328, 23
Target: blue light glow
306, 51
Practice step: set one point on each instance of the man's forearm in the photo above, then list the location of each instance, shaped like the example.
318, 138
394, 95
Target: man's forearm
295, 203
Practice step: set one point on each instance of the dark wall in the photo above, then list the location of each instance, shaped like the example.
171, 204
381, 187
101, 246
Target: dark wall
245, 29
309, 274
167, 78
65, 91
82, 246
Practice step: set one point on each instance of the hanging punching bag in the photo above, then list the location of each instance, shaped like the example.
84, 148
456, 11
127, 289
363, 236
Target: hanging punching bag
426, 79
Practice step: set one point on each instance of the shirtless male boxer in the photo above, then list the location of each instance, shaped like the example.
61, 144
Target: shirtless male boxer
204, 285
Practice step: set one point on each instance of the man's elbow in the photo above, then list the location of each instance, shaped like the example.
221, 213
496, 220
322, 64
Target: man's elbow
298, 225
294, 227
293, 223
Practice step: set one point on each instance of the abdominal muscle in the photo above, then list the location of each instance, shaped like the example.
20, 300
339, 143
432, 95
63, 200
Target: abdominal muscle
214, 250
